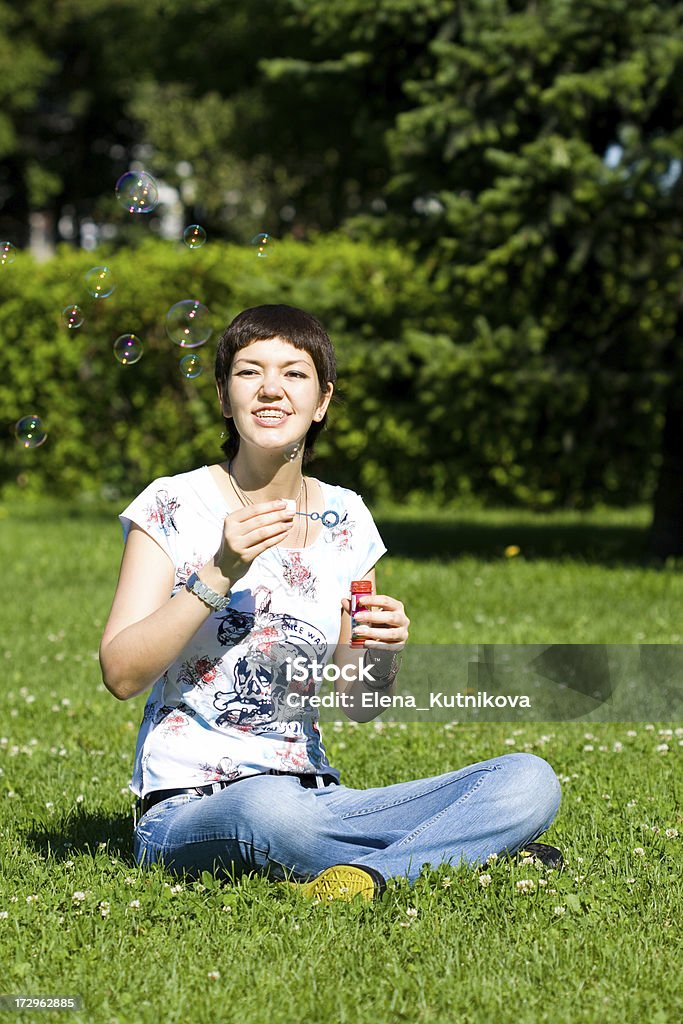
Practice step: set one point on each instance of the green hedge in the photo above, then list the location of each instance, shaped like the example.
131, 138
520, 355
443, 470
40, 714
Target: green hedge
421, 411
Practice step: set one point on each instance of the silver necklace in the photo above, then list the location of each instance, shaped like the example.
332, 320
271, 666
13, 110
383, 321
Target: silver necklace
246, 500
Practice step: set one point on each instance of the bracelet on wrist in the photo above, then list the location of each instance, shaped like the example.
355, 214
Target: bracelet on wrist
384, 681
217, 602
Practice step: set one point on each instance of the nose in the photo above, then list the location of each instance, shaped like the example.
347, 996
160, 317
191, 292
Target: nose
271, 385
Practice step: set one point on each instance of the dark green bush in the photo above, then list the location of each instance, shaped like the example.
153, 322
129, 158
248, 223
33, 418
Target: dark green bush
426, 407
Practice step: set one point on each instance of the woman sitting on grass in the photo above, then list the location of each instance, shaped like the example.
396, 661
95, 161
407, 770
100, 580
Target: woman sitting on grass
229, 573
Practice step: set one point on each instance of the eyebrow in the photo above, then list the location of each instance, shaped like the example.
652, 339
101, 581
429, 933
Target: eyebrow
256, 362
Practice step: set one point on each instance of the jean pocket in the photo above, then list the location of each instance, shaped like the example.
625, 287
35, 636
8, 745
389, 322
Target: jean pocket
158, 812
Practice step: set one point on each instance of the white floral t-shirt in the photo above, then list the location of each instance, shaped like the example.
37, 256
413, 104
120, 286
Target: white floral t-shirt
219, 711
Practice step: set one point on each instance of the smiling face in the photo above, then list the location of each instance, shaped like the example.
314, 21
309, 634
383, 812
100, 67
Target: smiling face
273, 394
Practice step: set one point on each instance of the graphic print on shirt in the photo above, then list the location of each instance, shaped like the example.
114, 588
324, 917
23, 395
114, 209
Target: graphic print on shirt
224, 771
341, 534
201, 672
174, 720
302, 746
257, 700
161, 513
298, 576
184, 571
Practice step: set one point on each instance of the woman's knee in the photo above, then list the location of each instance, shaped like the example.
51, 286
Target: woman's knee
535, 784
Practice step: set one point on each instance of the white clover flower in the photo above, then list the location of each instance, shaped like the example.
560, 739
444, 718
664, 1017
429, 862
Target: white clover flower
4, 914
525, 885
662, 748
671, 833
492, 858
32, 899
559, 911
588, 747
411, 912
447, 882
631, 732
639, 851
78, 897
134, 904
213, 975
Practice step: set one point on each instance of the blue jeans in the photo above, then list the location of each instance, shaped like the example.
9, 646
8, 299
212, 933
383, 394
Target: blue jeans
271, 825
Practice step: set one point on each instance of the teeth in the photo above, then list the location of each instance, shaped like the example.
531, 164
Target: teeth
270, 415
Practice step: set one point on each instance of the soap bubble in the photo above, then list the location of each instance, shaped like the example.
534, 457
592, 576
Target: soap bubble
194, 236
263, 244
30, 432
7, 253
72, 316
137, 192
128, 349
188, 323
100, 282
292, 452
191, 366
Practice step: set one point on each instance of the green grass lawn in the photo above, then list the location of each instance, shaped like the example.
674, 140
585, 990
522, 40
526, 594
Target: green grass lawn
599, 941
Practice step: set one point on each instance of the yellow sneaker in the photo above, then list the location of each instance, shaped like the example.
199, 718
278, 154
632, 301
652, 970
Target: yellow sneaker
343, 882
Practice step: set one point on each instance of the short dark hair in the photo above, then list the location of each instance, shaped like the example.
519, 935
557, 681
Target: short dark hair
260, 323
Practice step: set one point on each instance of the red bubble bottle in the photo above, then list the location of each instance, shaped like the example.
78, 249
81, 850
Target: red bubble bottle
358, 588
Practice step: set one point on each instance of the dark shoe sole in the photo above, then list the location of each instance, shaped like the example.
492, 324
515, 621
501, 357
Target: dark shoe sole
550, 856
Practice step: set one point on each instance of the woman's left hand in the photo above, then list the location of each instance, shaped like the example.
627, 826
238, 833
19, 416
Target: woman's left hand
382, 625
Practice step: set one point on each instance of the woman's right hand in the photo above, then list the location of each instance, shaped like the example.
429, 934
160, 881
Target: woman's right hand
247, 533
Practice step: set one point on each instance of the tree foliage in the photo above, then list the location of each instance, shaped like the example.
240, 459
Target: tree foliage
525, 153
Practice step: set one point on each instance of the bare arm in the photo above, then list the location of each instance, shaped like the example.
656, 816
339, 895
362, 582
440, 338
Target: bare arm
147, 628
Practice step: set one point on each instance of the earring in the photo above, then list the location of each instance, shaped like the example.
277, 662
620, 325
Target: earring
224, 434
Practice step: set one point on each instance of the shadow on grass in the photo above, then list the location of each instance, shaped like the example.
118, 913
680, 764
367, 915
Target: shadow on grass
83, 834
589, 543
437, 537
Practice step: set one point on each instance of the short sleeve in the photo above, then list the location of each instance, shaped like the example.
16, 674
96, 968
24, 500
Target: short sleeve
155, 511
368, 546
